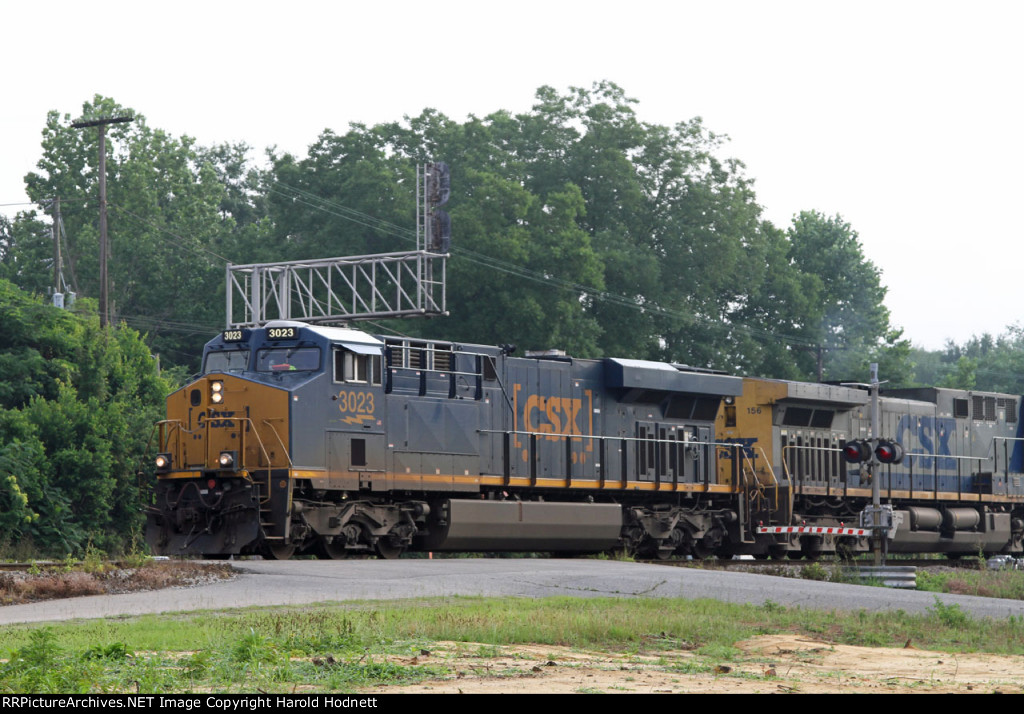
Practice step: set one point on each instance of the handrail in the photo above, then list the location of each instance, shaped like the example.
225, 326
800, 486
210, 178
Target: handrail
171, 436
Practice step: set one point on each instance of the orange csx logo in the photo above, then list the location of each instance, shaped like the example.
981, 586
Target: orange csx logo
552, 415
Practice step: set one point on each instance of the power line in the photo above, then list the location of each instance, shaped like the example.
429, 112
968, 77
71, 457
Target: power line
317, 203
162, 229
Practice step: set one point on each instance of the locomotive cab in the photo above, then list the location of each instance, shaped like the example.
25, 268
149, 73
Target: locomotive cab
241, 435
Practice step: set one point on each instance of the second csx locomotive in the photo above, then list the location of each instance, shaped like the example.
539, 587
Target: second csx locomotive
332, 441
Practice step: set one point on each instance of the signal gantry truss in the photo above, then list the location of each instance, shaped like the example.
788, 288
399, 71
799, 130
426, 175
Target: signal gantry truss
359, 287
345, 289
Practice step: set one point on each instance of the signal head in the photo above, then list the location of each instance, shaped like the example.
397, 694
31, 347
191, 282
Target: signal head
889, 452
856, 451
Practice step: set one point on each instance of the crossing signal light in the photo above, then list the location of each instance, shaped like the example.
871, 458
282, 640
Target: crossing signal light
856, 451
889, 452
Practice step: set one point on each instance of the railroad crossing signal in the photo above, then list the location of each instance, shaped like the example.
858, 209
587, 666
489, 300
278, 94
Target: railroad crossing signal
889, 452
856, 451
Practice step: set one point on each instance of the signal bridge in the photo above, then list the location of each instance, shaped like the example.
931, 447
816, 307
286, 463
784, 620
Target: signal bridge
351, 288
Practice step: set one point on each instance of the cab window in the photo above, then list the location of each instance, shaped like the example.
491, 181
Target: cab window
304, 359
228, 361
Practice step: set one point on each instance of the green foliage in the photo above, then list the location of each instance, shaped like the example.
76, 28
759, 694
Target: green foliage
814, 571
1004, 583
76, 409
578, 226
853, 325
575, 225
949, 615
985, 363
170, 212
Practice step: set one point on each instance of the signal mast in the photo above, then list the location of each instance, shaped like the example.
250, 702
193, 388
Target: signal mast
874, 452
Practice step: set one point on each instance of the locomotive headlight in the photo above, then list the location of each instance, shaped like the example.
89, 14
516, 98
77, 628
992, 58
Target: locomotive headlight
227, 459
162, 462
216, 392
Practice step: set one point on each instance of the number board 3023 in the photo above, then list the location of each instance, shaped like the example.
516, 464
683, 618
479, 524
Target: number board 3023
281, 333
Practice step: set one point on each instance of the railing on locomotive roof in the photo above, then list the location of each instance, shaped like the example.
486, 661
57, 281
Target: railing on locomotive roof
744, 464
428, 363
835, 467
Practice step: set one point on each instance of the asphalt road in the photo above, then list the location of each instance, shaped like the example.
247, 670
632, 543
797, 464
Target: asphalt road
316, 581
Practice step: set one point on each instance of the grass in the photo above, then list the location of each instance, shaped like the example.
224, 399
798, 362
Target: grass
346, 648
963, 581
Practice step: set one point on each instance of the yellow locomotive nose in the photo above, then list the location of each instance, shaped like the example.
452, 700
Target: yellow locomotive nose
217, 463
210, 427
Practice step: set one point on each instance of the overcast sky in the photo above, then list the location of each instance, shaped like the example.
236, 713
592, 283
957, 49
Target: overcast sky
903, 117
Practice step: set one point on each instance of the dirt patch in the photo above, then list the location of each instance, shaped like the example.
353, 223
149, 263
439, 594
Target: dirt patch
771, 663
48, 584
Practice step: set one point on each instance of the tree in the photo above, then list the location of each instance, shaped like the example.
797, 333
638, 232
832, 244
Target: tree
854, 326
167, 222
76, 410
26, 252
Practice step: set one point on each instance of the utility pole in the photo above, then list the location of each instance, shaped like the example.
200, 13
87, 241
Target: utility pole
56, 245
102, 124
819, 351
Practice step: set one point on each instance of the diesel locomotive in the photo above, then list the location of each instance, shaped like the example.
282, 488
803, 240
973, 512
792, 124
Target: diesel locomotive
327, 440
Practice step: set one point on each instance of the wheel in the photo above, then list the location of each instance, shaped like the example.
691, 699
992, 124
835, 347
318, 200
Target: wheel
811, 548
387, 550
663, 553
337, 551
701, 550
330, 551
278, 551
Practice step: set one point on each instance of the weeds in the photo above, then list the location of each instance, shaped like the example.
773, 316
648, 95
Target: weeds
985, 583
61, 582
949, 615
814, 571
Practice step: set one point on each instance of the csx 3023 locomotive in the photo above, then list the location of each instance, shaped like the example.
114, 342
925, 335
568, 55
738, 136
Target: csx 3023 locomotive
332, 441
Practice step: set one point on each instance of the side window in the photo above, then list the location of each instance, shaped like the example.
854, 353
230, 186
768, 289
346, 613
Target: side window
356, 368
730, 416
